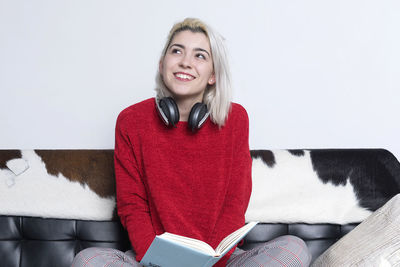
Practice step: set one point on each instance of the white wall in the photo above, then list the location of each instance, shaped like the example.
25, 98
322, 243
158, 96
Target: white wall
312, 74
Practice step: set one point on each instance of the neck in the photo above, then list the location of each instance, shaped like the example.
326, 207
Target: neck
184, 106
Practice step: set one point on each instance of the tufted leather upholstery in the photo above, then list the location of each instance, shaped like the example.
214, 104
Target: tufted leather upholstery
318, 237
38, 242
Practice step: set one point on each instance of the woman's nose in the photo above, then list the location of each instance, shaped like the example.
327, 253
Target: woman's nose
186, 61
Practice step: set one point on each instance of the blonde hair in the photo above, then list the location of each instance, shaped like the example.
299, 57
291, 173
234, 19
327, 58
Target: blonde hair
218, 96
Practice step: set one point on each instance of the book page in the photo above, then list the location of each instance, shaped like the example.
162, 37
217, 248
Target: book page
190, 242
233, 238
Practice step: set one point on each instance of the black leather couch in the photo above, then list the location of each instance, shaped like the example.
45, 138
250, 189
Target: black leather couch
47, 242
38, 242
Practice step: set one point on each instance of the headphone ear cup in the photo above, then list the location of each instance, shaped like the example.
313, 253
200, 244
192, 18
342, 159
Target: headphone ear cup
168, 111
197, 116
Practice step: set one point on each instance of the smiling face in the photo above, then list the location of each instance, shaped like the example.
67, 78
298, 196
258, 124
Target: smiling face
187, 67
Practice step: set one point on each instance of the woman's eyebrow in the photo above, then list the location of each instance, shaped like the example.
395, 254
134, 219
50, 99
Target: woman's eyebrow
196, 49
202, 50
178, 45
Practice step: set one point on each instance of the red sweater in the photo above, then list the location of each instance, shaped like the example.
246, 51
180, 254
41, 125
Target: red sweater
172, 180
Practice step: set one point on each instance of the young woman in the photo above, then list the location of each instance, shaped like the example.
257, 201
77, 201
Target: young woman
182, 159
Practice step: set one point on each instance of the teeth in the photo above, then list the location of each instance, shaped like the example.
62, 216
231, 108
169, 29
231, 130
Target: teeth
184, 76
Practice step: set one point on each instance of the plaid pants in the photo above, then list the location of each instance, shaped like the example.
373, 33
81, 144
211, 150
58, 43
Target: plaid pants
282, 251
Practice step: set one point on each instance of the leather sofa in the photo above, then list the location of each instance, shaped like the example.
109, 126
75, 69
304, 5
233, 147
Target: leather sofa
39, 242
27, 241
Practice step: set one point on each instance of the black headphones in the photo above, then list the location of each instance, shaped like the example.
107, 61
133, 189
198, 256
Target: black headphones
169, 113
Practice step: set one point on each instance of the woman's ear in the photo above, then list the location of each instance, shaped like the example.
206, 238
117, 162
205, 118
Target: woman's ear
211, 81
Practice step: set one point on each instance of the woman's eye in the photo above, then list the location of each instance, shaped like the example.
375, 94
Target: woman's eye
176, 51
201, 56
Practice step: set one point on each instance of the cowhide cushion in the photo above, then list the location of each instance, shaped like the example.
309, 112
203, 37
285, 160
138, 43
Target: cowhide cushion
311, 186
321, 185
68, 184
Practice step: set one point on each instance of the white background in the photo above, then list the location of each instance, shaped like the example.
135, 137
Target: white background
311, 74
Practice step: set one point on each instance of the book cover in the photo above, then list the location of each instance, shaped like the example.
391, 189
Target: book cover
169, 250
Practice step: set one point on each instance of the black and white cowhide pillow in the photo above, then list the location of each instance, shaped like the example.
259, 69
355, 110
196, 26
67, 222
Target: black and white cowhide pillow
321, 186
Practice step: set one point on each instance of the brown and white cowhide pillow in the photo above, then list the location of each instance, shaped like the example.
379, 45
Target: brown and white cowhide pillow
70, 184
322, 185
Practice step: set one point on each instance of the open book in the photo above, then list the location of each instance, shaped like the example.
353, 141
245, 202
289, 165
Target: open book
170, 250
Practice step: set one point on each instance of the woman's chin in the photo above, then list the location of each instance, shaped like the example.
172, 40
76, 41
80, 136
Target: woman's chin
186, 94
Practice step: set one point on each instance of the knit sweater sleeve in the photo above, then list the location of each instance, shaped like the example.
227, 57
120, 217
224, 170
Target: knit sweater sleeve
132, 203
239, 190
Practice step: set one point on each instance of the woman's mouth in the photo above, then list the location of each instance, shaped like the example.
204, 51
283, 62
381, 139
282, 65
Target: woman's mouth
183, 76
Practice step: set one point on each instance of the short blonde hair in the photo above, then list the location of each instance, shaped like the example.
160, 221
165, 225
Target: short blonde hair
218, 96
